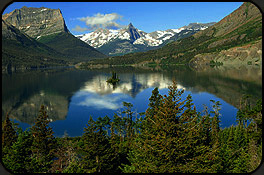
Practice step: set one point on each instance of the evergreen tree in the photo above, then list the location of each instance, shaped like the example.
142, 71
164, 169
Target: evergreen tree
119, 143
96, 148
19, 159
215, 140
128, 118
154, 101
65, 154
9, 137
252, 132
158, 147
9, 134
197, 137
43, 146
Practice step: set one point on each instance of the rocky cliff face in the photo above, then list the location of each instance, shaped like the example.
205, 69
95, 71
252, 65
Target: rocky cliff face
10, 32
37, 22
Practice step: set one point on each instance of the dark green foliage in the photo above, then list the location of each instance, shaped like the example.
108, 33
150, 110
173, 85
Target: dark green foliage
154, 149
66, 156
16, 54
96, 148
75, 49
9, 134
18, 159
43, 145
154, 102
33, 151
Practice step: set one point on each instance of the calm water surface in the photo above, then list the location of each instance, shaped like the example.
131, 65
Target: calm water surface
71, 96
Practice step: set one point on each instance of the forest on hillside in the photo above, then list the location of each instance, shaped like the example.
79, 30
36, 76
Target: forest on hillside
170, 136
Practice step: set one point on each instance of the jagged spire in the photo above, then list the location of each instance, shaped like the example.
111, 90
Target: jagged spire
130, 25
133, 32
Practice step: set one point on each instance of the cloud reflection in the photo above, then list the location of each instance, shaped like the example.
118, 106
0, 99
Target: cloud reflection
100, 95
100, 102
129, 84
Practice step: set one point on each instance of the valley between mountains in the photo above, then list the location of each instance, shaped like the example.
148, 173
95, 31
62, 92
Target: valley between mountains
39, 37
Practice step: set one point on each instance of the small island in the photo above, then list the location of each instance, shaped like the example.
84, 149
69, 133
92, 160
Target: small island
114, 79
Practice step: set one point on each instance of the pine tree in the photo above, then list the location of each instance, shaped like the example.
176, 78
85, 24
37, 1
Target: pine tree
154, 101
43, 142
128, 118
197, 139
65, 154
159, 146
119, 143
9, 137
215, 140
96, 148
254, 157
9, 134
18, 160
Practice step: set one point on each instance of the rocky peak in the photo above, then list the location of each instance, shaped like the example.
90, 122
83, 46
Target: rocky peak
133, 32
37, 22
130, 26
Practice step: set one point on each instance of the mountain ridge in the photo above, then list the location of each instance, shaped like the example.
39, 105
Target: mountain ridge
112, 42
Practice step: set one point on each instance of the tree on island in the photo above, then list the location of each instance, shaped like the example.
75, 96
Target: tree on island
114, 79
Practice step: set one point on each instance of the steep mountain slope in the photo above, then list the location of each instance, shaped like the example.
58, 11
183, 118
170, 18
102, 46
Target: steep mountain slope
48, 26
242, 27
131, 39
19, 50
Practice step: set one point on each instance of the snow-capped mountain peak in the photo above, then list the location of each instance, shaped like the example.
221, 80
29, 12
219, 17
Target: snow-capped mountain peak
134, 36
99, 37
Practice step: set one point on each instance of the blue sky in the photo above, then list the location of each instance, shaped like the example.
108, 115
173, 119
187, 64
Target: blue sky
84, 17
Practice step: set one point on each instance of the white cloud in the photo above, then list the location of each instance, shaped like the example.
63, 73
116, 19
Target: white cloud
102, 21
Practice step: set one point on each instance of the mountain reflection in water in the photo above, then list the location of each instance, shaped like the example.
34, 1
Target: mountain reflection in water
71, 96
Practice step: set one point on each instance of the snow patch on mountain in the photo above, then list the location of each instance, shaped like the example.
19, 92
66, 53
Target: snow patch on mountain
137, 37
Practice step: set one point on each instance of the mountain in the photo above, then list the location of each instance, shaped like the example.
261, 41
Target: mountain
20, 50
236, 39
48, 27
37, 22
161, 38
131, 39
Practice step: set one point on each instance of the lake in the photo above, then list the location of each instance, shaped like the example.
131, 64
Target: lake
71, 96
